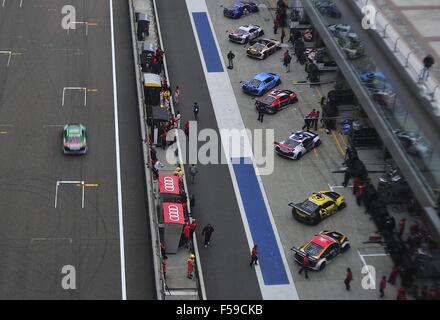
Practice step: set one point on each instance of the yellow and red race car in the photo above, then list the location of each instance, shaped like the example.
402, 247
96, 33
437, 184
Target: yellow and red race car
322, 249
317, 207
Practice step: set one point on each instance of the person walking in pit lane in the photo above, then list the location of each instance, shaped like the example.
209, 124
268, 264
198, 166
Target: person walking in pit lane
286, 61
348, 279
207, 233
192, 227
260, 115
193, 170
231, 57
382, 286
192, 202
190, 266
176, 95
276, 23
187, 235
314, 122
254, 256
305, 265
308, 120
283, 35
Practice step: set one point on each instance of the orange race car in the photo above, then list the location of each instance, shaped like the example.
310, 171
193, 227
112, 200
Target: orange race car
322, 249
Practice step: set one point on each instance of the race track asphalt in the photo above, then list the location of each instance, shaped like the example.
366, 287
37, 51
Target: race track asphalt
225, 263
37, 239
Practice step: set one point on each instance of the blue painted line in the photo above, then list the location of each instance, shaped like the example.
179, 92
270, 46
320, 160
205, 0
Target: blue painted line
269, 256
207, 42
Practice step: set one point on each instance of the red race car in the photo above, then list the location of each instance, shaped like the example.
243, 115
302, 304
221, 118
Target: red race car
276, 100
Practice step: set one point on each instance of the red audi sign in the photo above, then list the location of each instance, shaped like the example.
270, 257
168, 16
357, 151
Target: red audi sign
169, 184
173, 213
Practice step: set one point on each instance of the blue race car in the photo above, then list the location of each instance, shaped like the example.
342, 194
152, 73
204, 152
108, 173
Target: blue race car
239, 9
375, 81
261, 83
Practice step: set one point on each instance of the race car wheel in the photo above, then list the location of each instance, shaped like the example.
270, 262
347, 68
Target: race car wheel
317, 143
298, 156
322, 266
261, 33
278, 82
345, 248
316, 220
342, 206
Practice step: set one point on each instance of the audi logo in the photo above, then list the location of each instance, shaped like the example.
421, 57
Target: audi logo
168, 184
173, 213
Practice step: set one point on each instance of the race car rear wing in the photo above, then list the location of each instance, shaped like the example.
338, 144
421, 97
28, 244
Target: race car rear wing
293, 205
302, 254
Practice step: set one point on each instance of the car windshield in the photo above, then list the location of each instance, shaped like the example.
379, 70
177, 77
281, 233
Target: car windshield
240, 31
291, 143
73, 138
255, 83
313, 249
268, 99
258, 46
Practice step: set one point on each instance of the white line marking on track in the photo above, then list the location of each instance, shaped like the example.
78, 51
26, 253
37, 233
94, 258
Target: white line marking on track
375, 255
9, 53
118, 160
55, 239
340, 187
56, 193
69, 182
82, 197
53, 125
180, 293
74, 88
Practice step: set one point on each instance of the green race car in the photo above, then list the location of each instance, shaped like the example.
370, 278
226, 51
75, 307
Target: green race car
74, 139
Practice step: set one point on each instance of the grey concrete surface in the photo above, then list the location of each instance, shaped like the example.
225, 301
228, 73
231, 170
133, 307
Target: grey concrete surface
36, 239
295, 180
225, 263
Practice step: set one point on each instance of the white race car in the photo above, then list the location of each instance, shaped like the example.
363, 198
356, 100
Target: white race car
298, 144
245, 33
